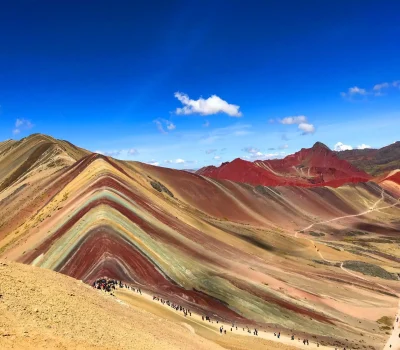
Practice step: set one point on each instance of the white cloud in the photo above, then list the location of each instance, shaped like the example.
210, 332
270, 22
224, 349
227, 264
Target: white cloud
363, 146
301, 121
306, 128
339, 146
209, 106
206, 124
342, 147
396, 83
294, 120
179, 161
21, 124
217, 157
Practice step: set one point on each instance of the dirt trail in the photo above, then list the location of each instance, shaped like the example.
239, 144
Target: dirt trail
206, 329
373, 208
394, 339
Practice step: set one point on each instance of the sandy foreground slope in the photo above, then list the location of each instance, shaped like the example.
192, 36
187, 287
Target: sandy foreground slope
43, 309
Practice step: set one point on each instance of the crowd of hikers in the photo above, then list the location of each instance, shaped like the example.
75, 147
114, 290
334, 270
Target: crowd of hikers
174, 306
109, 285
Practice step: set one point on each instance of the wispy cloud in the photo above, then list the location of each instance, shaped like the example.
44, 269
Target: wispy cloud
251, 150
119, 153
161, 124
206, 124
376, 90
22, 124
379, 87
209, 106
255, 153
211, 150
354, 91
133, 151
294, 120
229, 131
180, 161
263, 156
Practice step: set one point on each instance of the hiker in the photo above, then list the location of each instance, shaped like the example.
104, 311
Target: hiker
220, 330
224, 331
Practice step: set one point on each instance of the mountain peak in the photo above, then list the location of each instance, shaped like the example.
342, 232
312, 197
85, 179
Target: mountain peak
320, 145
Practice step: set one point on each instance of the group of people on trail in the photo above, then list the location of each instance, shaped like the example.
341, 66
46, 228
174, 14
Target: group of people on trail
174, 306
105, 284
108, 285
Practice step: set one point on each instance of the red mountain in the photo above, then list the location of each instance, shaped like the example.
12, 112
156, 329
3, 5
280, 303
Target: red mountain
315, 166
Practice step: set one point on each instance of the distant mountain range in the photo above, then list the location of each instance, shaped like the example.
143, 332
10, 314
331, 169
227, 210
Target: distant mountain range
374, 161
310, 167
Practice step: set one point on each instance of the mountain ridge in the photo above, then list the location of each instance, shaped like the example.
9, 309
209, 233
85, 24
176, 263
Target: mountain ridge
309, 167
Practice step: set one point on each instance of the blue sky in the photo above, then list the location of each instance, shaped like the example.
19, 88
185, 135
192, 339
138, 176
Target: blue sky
190, 83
